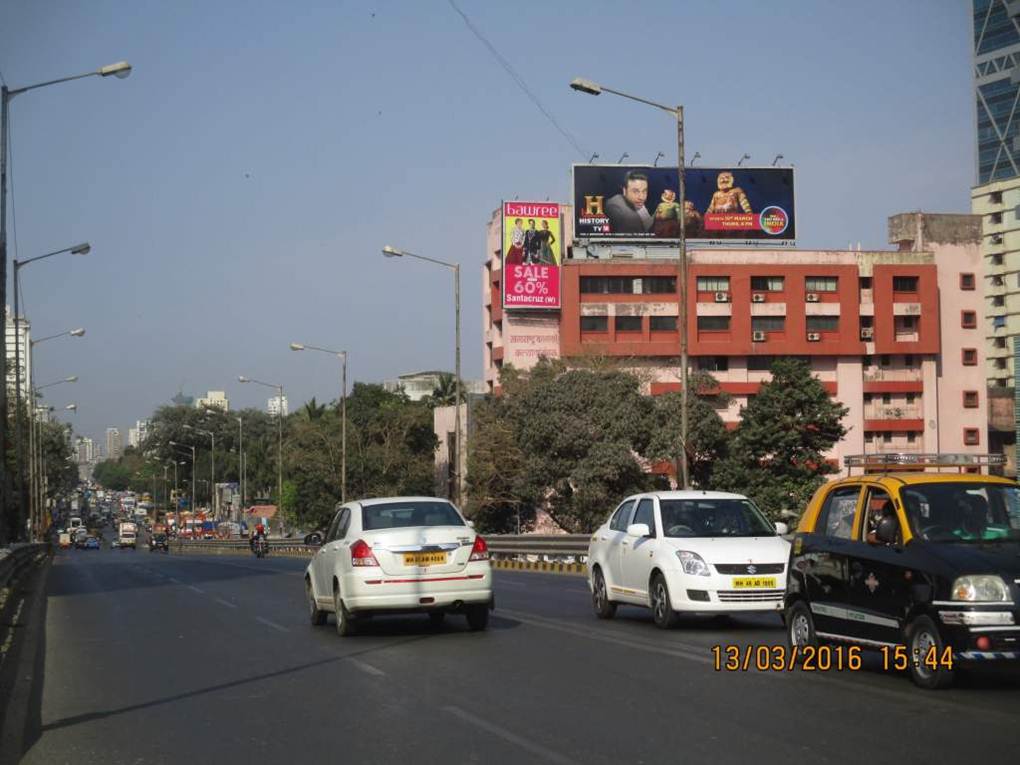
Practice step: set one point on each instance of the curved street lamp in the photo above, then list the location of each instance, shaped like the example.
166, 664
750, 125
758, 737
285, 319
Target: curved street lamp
279, 443
9, 523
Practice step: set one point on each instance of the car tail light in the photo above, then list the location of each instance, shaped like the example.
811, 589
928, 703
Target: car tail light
480, 550
361, 554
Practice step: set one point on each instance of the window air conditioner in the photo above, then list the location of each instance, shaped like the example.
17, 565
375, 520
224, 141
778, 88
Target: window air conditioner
757, 297
812, 297
867, 333
722, 297
813, 337
758, 337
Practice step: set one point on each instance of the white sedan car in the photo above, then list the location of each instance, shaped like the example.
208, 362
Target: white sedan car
698, 551
399, 555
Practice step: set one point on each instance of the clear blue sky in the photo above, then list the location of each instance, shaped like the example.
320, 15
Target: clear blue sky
238, 187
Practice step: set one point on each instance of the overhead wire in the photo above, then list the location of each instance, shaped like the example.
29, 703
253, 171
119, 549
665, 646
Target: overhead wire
519, 80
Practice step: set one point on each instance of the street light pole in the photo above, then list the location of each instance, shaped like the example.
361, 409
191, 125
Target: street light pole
79, 249
121, 69
279, 444
212, 467
594, 89
392, 252
240, 459
343, 410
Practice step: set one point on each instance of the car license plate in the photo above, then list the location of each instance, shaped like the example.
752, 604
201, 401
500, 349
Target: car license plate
754, 582
424, 559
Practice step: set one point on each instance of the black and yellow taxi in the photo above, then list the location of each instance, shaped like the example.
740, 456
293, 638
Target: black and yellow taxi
917, 563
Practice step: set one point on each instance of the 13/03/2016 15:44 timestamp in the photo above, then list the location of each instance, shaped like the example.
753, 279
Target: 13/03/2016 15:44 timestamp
780, 658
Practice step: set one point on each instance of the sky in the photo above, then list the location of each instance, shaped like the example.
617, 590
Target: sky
238, 187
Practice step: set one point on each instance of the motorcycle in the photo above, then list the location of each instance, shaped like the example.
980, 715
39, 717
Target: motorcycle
260, 547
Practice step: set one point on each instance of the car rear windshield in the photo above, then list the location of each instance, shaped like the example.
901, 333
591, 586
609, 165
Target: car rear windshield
397, 515
963, 512
714, 518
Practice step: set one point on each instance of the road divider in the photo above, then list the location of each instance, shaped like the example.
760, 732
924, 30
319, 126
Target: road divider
545, 553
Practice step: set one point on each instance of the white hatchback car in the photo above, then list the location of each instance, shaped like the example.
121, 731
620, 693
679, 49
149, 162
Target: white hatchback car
399, 555
698, 551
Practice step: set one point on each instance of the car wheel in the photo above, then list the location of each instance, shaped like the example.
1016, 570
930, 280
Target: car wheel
800, 628
478, 616
924, 641
600, 602
344, 621
436, 618
315, 614
662, 609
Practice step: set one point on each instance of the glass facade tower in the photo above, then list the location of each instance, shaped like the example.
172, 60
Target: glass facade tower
997, 88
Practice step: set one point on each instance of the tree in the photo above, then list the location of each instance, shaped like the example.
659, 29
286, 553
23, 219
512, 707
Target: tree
778, 451
312, 410
445, 392
580, 432
497, 498
707, 437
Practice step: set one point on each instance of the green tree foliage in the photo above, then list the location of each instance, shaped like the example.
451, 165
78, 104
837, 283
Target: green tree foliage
445, 392
580, 431
777, 455
707, 438
497, 498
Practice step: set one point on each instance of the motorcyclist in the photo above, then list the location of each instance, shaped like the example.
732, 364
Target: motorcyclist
258, 536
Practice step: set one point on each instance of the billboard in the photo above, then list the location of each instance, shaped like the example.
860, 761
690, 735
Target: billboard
629, 203
532, 249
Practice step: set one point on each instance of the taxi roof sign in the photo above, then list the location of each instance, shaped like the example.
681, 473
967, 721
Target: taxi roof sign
899, 460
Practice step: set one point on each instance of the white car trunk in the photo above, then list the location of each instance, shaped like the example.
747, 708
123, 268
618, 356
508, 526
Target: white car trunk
421, 550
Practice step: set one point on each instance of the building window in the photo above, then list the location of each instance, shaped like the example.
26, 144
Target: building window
864, 282
659, 285
768, 323
713, 363
995, 198
911, 437
887, 438
999, 301
997, 281
662, 323
970, 399
821, 283
822, 323
904, 284
767, 283
713, 323
713, 284
998, 322
867, 398
911, 397
866, 361
1000, 342
968, 319
627, 323
1018, 280
869, 437
971, 436
969, 357
886, 398
995, 218
1000, 363
996, 260
885, 360
759, 363
594, 324
967, 282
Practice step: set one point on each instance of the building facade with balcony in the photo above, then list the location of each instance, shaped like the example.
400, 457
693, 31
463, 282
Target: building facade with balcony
895, 335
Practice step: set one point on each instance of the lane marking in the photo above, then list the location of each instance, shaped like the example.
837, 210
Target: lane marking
685, 651
274, 625
193, 588
226, 603
513, 738
174, 580
367, 668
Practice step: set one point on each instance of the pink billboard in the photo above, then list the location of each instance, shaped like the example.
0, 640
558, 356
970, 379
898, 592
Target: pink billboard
531, 255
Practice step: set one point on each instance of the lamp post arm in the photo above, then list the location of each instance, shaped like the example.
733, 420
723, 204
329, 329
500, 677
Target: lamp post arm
17, 91
430, 260
22, 263
670, 109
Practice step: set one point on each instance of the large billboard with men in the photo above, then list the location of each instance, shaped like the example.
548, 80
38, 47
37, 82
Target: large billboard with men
531, 255
637, 203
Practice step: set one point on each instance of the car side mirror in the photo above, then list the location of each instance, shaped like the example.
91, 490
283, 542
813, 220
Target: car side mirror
887, 531
638, 530
470, 524
782, 528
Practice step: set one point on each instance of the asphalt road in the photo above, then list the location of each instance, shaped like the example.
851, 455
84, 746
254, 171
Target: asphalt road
152, 658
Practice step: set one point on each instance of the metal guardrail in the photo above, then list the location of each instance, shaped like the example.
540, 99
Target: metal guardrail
558, 548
